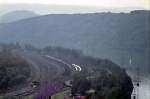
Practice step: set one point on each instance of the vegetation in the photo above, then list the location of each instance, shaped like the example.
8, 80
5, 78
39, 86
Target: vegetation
102, 77
104, 86
14, 69
107, 79
116, 36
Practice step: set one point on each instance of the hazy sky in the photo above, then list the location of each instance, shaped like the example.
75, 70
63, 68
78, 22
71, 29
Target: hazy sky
99, 3
72, 6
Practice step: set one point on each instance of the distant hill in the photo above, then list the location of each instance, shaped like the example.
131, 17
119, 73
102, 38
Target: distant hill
16, 15
121, 37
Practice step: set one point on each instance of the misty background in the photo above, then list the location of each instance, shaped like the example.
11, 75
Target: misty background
95, 37
119, 33
122, 37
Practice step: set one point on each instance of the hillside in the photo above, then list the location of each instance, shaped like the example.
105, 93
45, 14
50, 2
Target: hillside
14, 70
116, 36
106, 78
16, 15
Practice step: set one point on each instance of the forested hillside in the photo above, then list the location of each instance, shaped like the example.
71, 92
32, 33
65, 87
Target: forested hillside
121, 37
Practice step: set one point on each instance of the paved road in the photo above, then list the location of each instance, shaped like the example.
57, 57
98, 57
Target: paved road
47, 68
43, 69
143, 90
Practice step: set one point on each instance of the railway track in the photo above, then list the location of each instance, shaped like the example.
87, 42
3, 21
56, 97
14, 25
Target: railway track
41, 71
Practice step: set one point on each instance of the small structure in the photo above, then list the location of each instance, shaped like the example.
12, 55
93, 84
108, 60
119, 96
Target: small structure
35, 84
79, 97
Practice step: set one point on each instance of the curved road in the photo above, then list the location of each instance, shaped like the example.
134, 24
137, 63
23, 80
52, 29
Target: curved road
47, 68
44, 68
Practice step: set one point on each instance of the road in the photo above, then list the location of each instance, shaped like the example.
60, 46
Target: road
44, 66
143, 90
43, 69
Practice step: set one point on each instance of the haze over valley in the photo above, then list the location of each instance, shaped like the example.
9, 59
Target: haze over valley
116, 36
75, 50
